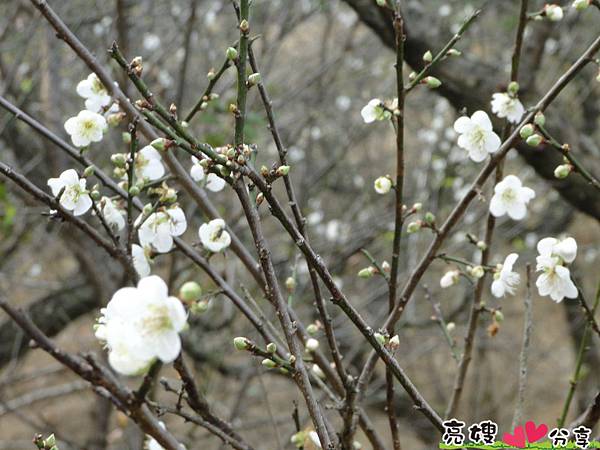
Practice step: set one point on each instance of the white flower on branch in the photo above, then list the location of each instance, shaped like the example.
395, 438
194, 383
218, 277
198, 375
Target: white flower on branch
86, 127
141, 260
140, 324
160, 227
213, 183
113, 215
477, 135
505, 280
511, 197
382, 185
148, 164
374, 110
555, 279
95, 94
450, 278
213, 235
74, 196
508, 107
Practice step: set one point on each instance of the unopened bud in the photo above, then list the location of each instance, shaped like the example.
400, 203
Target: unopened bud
412, 76
429, 218
454, 52
244, 26
312, 329
298, 439
417, 207
118, 159
394, 342
283, 171
260, 197
89, 171
159, 144
367, 272
211, 75
477, 271
450, 327
385, 266
200, 307
264, 171
115, 119
126, 137
241, 343
190, 291
580, 5
231, 53
534, 140
203, 106
381, 2
271, 347
413, 227
432, 82
134, 190
318, 371
254, 78
526, 130
312, 345
563, 171
481, 245
513, 88
539, 119
95, 195
428, 56
290, 283
498, 316
147, 210
380, 338
269, 363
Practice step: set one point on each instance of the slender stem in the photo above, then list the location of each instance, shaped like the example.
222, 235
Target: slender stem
130, 183
241, 62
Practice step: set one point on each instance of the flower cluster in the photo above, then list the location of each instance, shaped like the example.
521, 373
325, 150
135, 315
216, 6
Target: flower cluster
555, 279
141, 324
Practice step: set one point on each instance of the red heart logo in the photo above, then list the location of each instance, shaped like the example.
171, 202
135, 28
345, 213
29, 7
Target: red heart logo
517, 439
534, 433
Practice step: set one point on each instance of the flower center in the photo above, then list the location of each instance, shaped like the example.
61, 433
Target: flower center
478, 136
216, 235
509, 195
156, 320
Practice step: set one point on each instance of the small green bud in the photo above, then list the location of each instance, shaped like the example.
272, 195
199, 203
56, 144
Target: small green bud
413, 227
190, 291
498, 316
477, 271
539, 119
412, 76
563, 171
89, 171
432, 82
417, 207
312, 345
224, 171
269, 363
312, 329
50, 441
283, 170
534, 140
298, 439
381, 3
200, 307
211, 75
231, 53
513, 88
203, 106
134, 190
580, 5
429, 218
159, 144
254, 78
115, 119
428, 56
126, 137
244, 26
147, 209
454, 52
367, 272
95, 195
450, 327
118, 160
271, 347
290, 284
526, 130
241, 343
481, 245
380, 338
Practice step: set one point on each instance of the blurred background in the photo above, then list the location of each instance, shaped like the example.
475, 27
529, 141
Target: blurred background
321, 61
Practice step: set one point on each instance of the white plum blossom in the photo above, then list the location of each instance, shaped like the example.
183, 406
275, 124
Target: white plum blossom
160, 227
505, 280
511, 197
95, 94
75, 196
141, 260
506, 106
374, 110
382, 185
554, 12
140, 324
148, 164
450, 278
555, 279
86, 127
477, 135
213, 182
213, 235
113, 215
